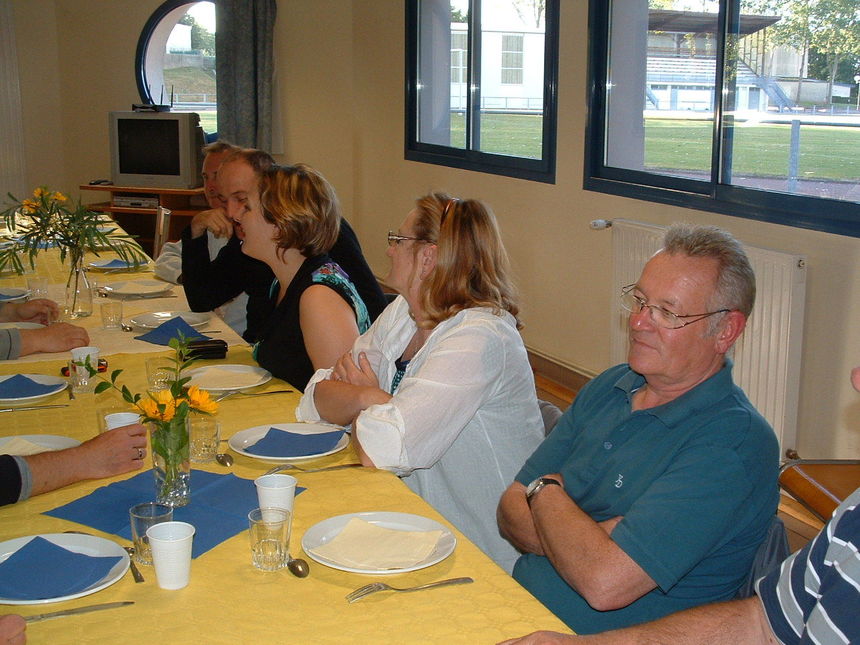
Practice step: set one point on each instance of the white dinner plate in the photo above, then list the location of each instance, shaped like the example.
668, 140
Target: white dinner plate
122, 265
245, 438
156, 318
47, 441
137, 287
21, 325
86, 544
11, 294
58, 383
242, 372
325, 531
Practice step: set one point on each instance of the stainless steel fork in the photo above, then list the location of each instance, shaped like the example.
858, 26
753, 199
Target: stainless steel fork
278, 469
373, 587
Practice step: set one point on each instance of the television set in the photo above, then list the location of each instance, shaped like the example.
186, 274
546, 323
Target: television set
156, 149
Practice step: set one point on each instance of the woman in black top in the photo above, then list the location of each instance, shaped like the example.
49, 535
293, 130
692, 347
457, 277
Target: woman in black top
290, 223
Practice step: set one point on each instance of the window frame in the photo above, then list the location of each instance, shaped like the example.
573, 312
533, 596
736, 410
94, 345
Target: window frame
542, 170
802, 211
143, 42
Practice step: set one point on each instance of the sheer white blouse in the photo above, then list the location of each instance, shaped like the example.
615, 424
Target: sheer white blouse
462, 421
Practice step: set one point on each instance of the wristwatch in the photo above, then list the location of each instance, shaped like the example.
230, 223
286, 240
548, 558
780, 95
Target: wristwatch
533, 488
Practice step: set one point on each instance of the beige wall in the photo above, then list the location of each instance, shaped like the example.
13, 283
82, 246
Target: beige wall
341, 87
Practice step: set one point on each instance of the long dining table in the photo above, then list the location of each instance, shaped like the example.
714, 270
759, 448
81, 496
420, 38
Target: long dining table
227, 599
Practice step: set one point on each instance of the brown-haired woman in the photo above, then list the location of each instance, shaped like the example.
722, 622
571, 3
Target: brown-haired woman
290, 225
439, 389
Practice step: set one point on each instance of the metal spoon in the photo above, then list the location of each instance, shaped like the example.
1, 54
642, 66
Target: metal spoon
224, 459
298, 567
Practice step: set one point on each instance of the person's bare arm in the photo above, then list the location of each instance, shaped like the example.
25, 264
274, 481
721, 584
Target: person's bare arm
214, 220
515, 520
726, 623
340, 403
111, 453
59, 337
40, 310
328, 325
583, 552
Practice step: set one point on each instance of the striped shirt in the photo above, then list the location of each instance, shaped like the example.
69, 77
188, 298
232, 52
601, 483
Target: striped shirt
814, 597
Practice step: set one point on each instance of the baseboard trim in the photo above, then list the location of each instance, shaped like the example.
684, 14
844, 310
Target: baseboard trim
561, 380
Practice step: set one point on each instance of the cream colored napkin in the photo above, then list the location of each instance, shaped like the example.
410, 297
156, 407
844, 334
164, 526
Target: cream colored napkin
21, 447
217, 378
362, 545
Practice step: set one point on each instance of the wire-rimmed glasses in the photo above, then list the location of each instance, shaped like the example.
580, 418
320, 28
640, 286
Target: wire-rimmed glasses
394, 238
660, 316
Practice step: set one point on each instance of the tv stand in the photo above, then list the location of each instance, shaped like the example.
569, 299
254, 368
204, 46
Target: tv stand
134, 208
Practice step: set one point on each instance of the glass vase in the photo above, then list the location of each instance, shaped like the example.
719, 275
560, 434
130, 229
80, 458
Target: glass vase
79, 296
170, 461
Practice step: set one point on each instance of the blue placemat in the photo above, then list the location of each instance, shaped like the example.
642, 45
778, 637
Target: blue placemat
17, 294
40, 569
162, 334
20, 386
282, 443
218, 509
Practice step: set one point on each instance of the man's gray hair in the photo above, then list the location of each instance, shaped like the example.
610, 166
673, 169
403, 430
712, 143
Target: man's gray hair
735, 287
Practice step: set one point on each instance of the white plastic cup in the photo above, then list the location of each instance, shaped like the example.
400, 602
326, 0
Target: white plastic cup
276, 491
119, 419
79, 378
171, 553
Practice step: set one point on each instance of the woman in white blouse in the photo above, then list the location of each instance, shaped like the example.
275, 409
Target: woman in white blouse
439, 389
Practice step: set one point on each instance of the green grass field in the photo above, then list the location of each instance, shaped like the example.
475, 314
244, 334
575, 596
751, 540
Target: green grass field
826, 152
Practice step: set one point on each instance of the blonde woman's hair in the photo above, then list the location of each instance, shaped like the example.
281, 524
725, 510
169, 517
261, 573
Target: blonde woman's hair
472, 266
303, 206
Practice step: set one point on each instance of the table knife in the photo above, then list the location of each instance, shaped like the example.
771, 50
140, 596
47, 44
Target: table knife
35, 407
80, 610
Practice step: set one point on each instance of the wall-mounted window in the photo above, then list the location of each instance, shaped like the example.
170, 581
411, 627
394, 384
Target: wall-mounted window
175, 63
481, 85
745, 108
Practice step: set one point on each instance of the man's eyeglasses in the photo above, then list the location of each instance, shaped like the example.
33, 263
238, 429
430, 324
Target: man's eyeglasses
660, 316
394, 238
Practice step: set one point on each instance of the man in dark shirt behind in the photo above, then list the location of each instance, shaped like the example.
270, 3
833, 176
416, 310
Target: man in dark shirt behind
210, 283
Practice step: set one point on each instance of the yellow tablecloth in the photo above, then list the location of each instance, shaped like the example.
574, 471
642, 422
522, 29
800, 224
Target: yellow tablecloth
228, 600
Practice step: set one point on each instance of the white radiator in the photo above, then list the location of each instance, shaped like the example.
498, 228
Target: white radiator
767, 355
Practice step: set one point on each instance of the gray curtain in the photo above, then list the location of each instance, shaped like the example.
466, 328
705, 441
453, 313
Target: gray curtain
243, 41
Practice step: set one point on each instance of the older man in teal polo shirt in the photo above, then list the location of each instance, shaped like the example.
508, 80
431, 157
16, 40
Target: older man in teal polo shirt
656, 487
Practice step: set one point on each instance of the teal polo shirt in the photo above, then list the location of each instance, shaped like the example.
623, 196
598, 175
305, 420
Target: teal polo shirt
695, 480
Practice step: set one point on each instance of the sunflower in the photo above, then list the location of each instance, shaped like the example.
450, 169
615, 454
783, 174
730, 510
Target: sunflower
201, 401
160, 406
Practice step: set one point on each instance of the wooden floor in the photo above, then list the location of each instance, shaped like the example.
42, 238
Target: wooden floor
801, 526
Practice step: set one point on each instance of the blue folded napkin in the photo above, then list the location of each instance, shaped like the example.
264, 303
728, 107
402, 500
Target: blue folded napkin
40, 569
11, 295
20, 386
162, 334
218, 509
113, 264
282, 443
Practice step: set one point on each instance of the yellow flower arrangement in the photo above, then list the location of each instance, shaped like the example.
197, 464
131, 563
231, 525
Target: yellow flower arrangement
166, 411
45, 220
